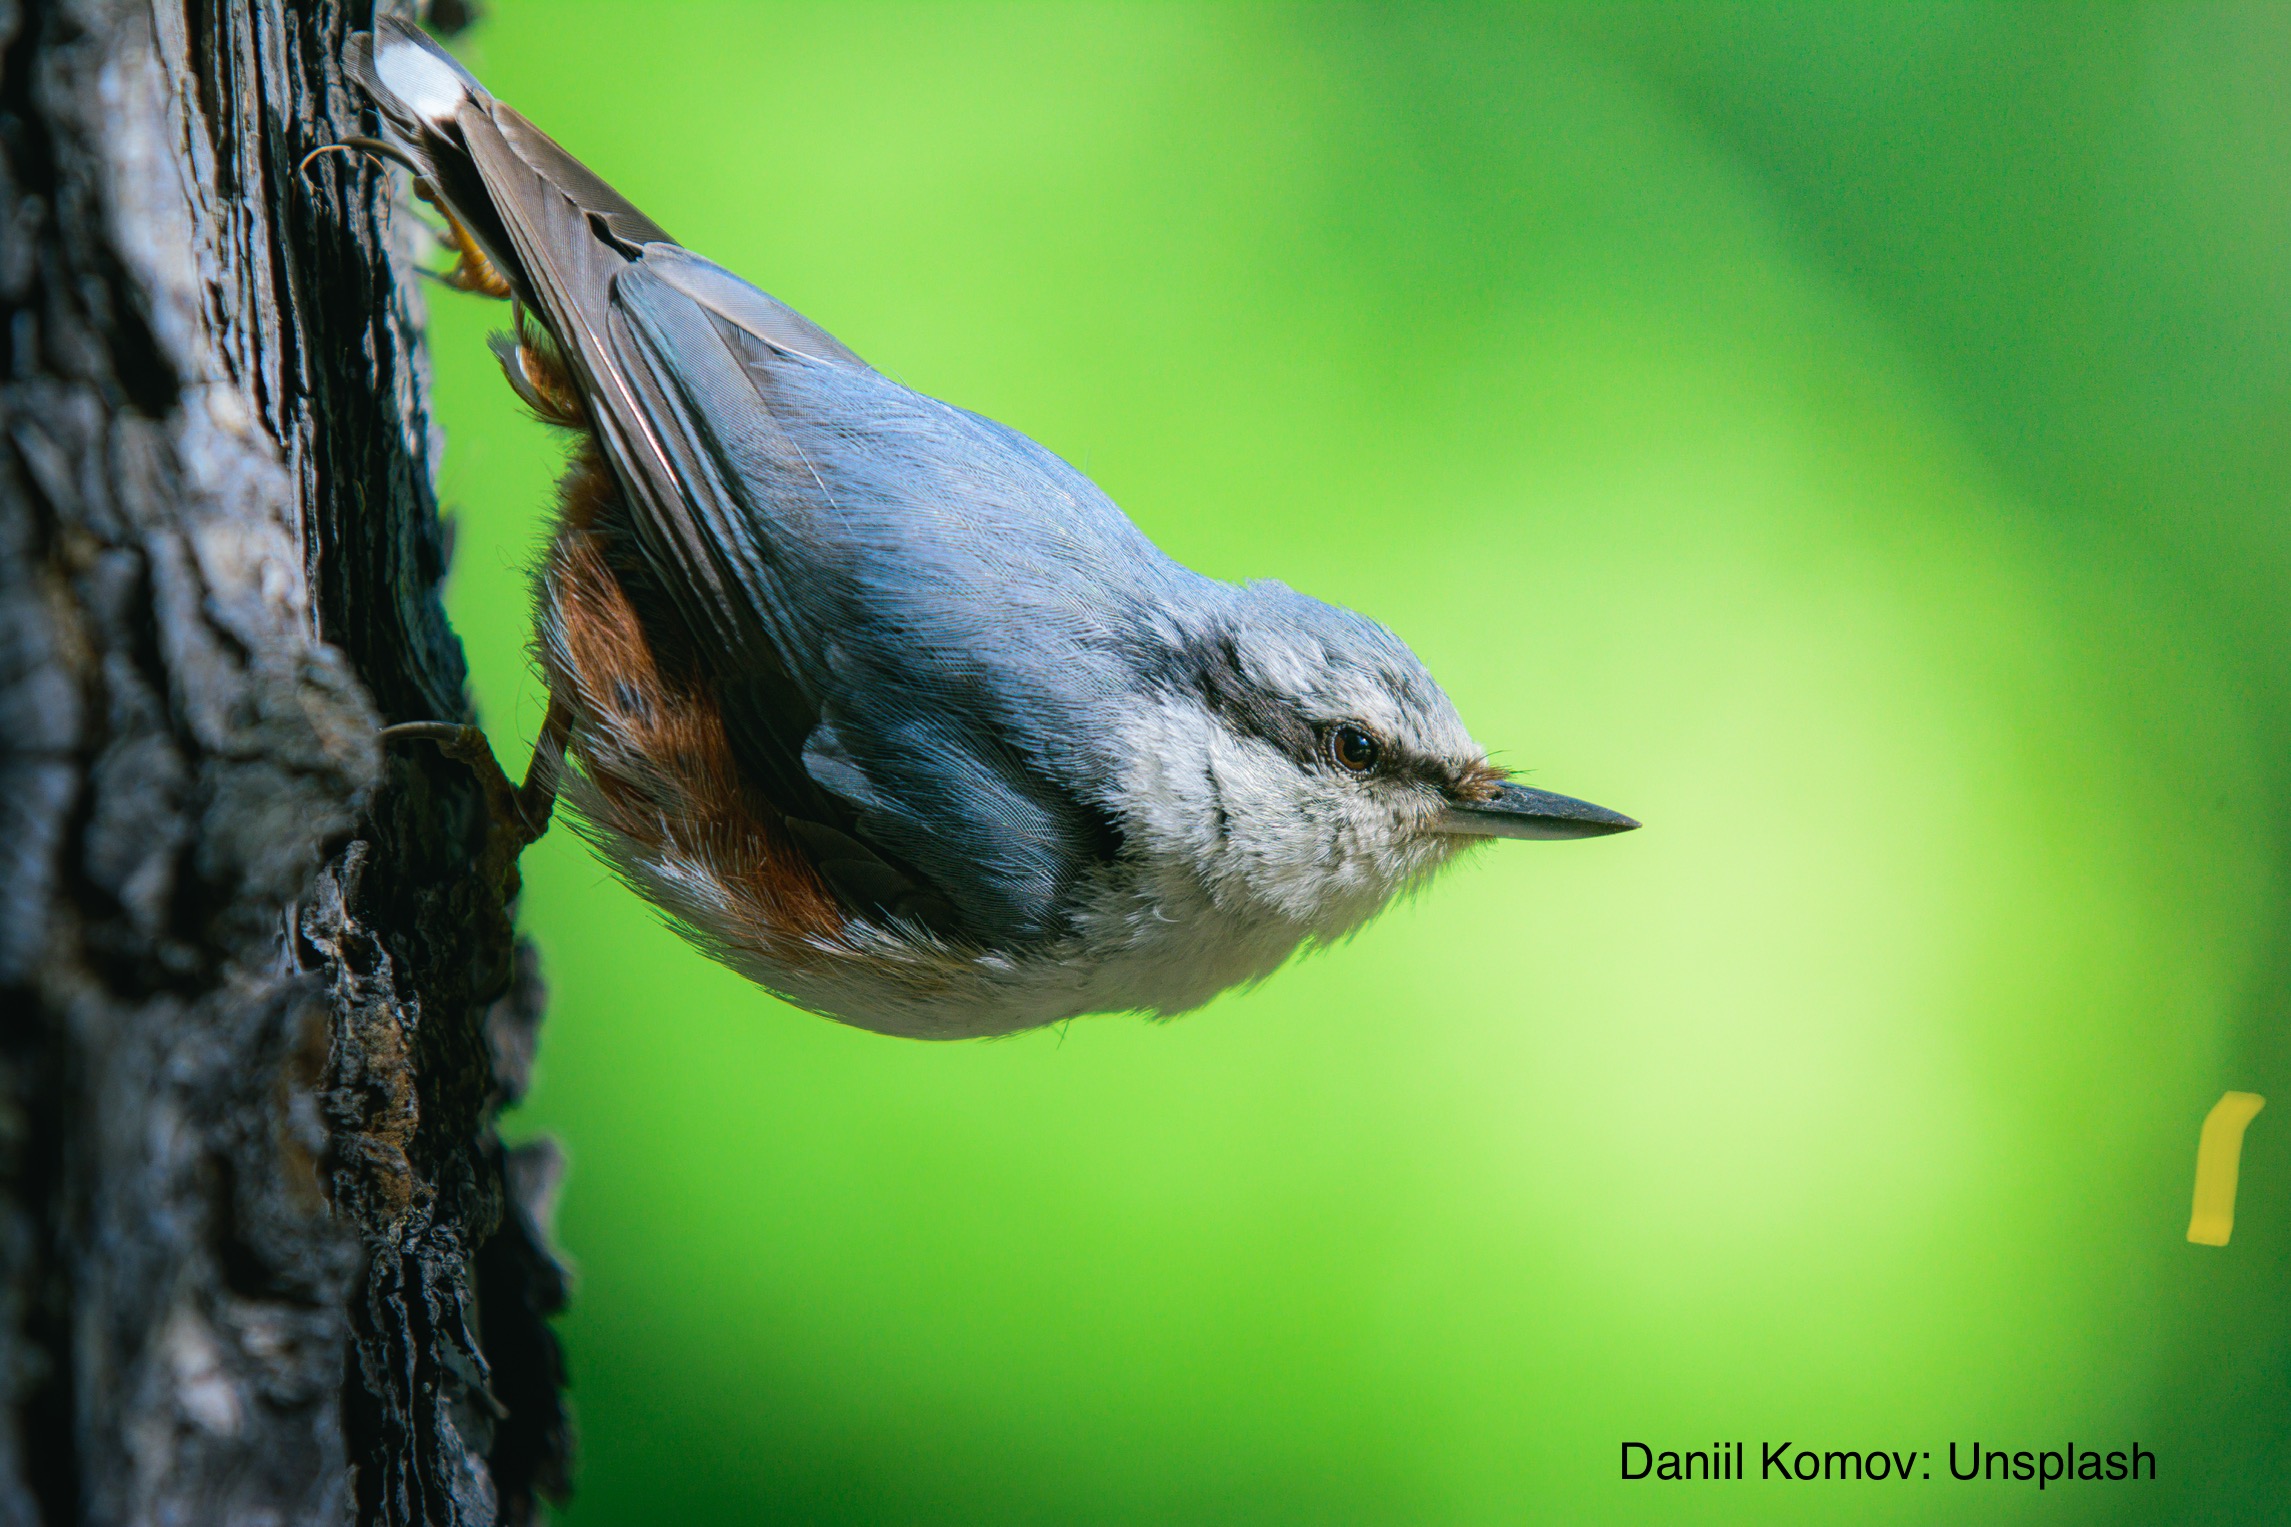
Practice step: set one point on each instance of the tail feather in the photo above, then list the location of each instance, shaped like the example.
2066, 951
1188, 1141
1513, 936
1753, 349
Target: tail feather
561, 238
447, 122
414, 79
552, 227
428, 123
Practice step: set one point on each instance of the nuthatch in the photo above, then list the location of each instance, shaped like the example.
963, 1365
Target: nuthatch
887, 707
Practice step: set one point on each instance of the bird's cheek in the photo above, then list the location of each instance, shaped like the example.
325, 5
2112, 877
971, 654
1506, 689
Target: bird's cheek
1286, 861
1431, 852
1401, 852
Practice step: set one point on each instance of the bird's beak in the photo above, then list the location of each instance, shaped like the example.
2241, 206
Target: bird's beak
1518, 812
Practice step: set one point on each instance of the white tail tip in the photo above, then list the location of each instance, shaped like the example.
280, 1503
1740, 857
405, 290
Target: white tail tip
429, 87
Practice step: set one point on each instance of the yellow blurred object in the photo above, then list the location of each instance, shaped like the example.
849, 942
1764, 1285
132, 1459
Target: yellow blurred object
2219, 1151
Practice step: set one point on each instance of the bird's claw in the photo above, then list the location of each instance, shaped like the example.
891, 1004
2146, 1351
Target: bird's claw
520, 813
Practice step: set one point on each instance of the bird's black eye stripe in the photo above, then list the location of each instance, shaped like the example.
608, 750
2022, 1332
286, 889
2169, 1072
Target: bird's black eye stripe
1352, 747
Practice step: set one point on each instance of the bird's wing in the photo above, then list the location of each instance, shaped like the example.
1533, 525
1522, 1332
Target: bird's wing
855, 524
864, 573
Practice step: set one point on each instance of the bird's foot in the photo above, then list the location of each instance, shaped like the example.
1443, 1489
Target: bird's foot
375, 146
520, 813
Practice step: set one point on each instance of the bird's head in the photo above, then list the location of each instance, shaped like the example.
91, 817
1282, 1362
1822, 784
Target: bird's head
1300, 761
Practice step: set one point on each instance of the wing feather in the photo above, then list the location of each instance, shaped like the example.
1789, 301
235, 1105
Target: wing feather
862, 575
914, 720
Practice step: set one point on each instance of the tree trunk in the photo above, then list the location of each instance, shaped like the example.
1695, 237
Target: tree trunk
262, 1256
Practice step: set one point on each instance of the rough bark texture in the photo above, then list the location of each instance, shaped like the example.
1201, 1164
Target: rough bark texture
262, 1257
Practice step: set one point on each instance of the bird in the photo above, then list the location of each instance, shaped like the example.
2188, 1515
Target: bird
881, 703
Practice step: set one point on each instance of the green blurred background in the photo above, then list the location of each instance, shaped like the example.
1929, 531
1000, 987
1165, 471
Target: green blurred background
1855, 439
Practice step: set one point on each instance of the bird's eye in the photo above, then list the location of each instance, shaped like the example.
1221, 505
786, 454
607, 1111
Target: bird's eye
1353, 748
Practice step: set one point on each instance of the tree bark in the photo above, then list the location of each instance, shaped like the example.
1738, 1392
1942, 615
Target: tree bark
263, 1258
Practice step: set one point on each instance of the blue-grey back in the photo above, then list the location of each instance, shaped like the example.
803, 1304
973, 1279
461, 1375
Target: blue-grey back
955, 603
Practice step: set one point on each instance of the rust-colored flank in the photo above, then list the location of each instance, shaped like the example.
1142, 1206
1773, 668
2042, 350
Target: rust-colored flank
664, 776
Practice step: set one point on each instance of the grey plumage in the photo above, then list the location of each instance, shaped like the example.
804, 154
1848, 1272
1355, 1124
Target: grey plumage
1042, 768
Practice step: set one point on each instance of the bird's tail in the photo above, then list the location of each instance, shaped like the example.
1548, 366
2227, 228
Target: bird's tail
531, 221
